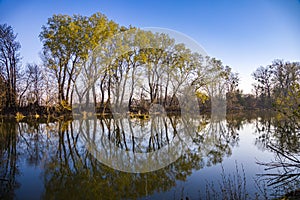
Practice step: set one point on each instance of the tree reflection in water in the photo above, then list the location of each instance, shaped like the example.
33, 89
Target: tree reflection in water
71, 171
20, 142
8, 152
281, 136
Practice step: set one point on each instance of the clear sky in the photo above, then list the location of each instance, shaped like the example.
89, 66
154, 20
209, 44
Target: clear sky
244, 34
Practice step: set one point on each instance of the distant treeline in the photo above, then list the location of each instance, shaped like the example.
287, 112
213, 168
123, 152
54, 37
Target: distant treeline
93, 59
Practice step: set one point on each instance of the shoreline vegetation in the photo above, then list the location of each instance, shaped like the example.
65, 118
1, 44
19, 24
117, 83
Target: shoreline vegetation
37, 111
30, 117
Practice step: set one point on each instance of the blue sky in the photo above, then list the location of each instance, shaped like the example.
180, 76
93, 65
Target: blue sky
244, 34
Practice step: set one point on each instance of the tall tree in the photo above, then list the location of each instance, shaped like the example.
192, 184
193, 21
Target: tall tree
263, 87
9, 60
286, 87
67, 42
278, 85
233, 94
32, 85
286, 74
2, 93
157, 56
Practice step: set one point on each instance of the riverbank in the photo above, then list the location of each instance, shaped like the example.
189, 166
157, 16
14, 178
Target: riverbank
66, 116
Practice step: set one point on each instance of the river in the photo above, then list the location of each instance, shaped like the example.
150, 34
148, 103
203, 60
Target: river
157, 157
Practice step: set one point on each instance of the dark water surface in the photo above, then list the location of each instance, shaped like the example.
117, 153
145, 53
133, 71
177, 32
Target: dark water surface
82, 159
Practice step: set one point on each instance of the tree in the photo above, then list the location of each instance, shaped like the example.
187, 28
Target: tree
67, 42
233, 94
232, 80
286, 74
277, 86
181, 64
9, 60
31, 88
2, 93
155, 67
214, 79
36, 79
62, 48
263, 87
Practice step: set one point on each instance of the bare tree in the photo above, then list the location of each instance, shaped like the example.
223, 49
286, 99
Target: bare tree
9, 59
263, 87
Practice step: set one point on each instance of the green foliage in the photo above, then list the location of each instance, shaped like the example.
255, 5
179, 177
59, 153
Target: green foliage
287, 88
202, 96
153, 65
19, 116
67, 42
117, 56
277, 86
65, 105
289, 105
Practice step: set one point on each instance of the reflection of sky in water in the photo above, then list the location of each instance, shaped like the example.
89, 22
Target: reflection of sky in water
32, 185
243, 152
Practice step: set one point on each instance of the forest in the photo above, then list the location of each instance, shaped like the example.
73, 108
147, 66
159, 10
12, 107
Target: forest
95, 60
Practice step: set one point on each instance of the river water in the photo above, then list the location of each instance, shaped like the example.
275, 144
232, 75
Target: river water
160, 157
